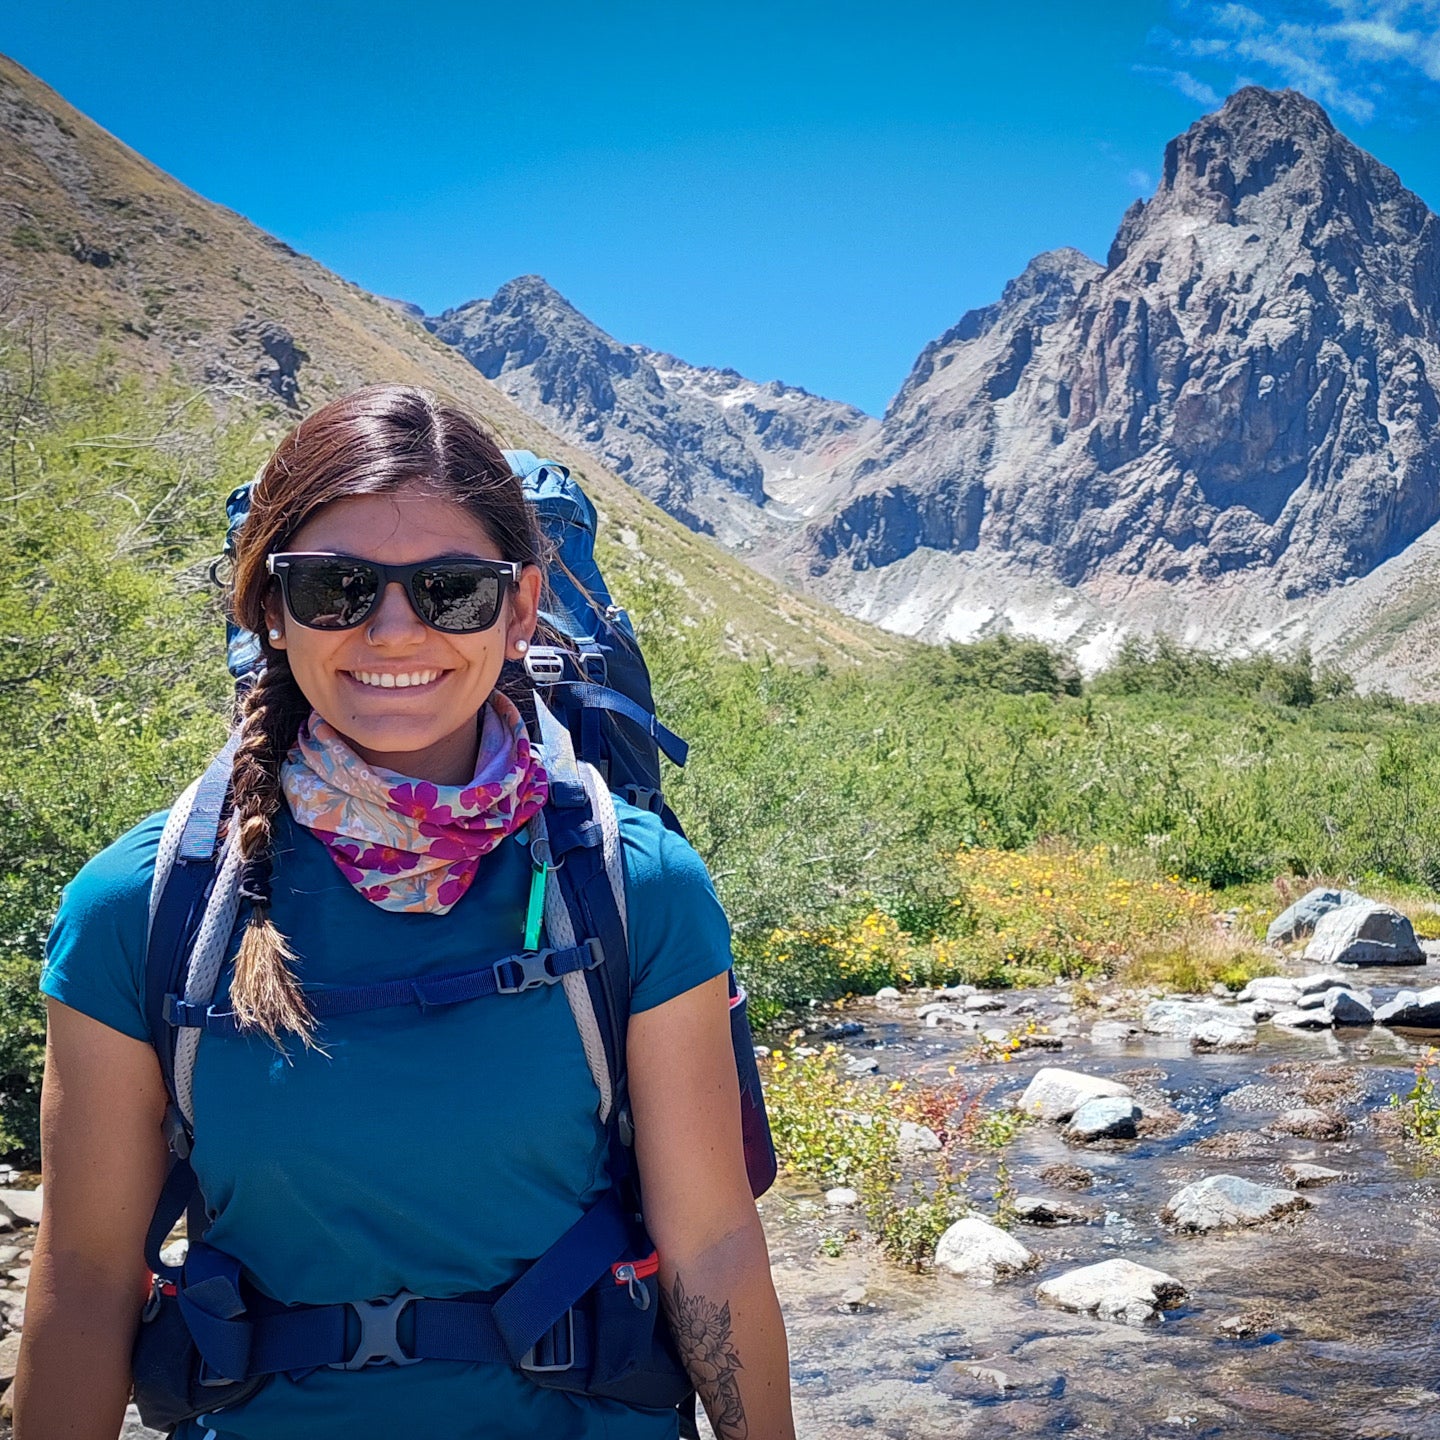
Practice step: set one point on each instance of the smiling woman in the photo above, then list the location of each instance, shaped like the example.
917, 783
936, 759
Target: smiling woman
387, 811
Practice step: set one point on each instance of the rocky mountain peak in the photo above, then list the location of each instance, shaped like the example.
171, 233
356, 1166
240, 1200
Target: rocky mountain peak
1247, 390
709, 446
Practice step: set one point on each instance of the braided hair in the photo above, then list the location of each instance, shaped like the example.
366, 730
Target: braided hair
381, 440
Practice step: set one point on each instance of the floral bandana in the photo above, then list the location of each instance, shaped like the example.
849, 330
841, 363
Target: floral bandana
408, 844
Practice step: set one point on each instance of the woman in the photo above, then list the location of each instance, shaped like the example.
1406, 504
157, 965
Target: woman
436, 1153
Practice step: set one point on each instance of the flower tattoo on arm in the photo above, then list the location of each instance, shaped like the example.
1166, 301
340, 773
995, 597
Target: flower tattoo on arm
702, 1334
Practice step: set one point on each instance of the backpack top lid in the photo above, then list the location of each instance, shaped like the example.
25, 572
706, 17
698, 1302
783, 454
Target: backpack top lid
581, 606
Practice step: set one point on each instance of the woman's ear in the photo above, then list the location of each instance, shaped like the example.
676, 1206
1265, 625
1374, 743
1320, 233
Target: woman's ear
275, 621
524, 612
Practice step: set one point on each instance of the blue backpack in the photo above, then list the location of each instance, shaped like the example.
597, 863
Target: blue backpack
583, 1317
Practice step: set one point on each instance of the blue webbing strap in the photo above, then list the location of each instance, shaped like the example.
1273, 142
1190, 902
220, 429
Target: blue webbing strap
510, 976
175, 1195
197, 842
600, 697
532, 1305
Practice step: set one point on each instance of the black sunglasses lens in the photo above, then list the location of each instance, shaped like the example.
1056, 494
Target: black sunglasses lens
458, 597
330, 594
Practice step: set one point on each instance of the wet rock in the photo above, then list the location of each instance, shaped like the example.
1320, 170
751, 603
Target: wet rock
955, 992
854, 1300
23, 1205
1179, 1019
1224, 1201
1067, 1177
935, 1007
962, 1381
1276, 988
1409, 1010
917, 1139
1310, 1122
1040, 1041
1365, 934
1036, 1210
845, 1030
1302, 917
1304, 1176
1055, 1094
842, 1197
1345, 1007
1319, 983
1118, 1290
1303, 1019
861, 1065
977, 1250
1263, 1009
1113, 1032
1221, 1035
984, 1004
887, 992
1107, 1117
995, 1036
1231, 1145
1262, 1320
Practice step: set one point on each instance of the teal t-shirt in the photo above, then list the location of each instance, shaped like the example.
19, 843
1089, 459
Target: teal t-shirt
437, 1152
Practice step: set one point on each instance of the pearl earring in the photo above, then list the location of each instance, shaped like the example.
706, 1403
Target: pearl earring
521, 646
274, 633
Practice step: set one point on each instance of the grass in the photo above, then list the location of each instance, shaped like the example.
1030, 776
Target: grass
1019, 917
838, 1131
1419, 1108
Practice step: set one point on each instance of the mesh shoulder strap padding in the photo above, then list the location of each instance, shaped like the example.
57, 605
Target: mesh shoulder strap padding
564, 931
169, 848
206, 960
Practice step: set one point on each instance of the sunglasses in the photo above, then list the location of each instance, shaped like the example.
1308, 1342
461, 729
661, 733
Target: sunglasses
339, 592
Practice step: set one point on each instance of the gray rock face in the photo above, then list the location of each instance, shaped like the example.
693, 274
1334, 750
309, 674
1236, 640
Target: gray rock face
1347, 1008
1117, 1290
1107, 1117
1304, 1176
1409, 1010
1364, 934
1180, 1019
1301, 918
1222, 1201
1248, 384
1055, 1094
978, 1250
709, 446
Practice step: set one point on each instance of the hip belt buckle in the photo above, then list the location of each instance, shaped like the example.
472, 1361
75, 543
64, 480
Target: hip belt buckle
379, 1342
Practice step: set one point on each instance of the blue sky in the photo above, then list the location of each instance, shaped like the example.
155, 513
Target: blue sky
804, 191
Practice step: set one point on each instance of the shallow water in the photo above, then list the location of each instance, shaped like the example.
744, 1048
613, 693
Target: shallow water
1343, 1298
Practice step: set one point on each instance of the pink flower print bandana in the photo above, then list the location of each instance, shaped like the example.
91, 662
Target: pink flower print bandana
407, 844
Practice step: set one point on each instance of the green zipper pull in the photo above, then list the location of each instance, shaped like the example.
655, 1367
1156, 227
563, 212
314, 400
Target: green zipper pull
535, 911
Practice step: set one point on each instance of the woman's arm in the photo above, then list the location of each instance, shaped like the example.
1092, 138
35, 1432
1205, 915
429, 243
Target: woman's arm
104, 1157
714, 1267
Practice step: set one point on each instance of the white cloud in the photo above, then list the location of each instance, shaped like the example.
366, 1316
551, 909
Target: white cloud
1356, 57
1184, 82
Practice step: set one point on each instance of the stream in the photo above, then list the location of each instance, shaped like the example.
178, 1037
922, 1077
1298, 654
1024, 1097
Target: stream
1324, 1323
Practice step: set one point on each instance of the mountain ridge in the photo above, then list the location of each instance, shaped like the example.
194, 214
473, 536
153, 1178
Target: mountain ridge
711, 447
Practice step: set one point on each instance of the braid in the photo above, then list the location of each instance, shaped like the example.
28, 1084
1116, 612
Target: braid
264, 993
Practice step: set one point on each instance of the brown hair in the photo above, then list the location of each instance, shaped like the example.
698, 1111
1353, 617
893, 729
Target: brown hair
378, 441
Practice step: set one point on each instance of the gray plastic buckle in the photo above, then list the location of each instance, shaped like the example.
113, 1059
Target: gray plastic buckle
379, 1342
534, 968
545, 1354
545, 665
